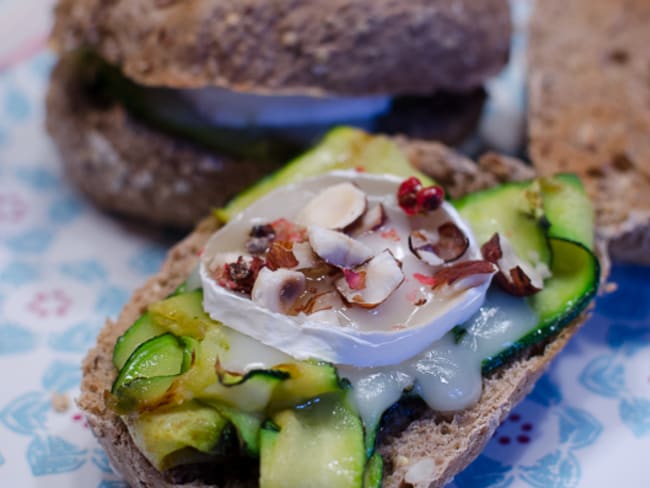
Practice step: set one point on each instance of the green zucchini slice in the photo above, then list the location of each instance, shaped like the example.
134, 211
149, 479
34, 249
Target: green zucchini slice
169, 436
341, 148
373, 475
552, 220
321, 441
247, 424
506, 209
182, 314
151, 370
143, 329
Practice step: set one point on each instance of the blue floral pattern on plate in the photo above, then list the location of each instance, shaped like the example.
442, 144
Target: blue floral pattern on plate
554, 470
27, 413
54, 455
15, 339
18, 273
76, 339
86, 271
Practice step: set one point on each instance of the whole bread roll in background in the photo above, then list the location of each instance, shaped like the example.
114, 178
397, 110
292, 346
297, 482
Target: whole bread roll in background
416, 68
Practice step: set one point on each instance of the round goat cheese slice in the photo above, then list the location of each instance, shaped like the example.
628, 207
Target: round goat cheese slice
414, 311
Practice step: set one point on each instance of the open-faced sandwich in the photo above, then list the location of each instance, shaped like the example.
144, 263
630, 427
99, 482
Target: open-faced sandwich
348, 325
162, 109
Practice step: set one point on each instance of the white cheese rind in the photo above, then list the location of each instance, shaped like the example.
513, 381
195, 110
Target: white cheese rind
304, 338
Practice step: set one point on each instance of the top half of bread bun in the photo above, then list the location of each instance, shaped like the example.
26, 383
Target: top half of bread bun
307, 47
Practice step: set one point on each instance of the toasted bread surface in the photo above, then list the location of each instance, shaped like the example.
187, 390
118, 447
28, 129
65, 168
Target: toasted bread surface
315, 47
421, 449
589, 92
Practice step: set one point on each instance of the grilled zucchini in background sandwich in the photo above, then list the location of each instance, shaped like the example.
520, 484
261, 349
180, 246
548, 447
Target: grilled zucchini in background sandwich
162, 109
431, 319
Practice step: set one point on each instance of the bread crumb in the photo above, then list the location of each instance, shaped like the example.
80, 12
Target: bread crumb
60, 402
322, 54
421, 471
143, 179
611, 287
586, 136
232, 19
401, 461
289, 38
182, 187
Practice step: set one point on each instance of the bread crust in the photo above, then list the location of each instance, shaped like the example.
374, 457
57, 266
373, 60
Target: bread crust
429, 451
125, 166
588, 87
315, 47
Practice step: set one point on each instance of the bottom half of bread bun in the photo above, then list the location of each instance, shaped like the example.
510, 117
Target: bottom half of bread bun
130, 166
420, 447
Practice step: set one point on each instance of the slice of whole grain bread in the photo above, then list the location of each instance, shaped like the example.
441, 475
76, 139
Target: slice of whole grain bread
590, 109
420, 447
316, 47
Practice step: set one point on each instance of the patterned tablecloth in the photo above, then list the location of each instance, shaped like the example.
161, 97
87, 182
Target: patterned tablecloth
64, 267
